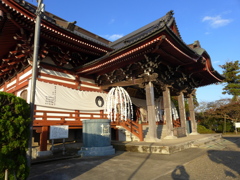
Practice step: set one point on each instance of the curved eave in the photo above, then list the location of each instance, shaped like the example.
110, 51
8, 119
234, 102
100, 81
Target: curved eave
180, 53
120, 56
208, 77
205, 71
176, 53
214, 76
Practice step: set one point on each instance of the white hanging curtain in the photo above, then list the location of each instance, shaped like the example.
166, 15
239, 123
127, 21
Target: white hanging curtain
159, 108
118, 103
56, 96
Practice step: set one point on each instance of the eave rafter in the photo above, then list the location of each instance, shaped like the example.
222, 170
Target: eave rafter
65, 58
59, 57
23, 16
77, 49
121, 57
19, 58
150, 68
70, 38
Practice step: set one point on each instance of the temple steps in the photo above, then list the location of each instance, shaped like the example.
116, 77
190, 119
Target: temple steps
168, 146
125, 135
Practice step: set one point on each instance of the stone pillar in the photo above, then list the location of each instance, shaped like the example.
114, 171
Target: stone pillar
182, 111
168, 113
152, 131
192, 115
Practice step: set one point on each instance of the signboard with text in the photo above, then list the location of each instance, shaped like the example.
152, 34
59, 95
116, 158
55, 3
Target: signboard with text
237, 124
59, 132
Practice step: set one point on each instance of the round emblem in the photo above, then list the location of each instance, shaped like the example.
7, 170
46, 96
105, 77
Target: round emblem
99, 101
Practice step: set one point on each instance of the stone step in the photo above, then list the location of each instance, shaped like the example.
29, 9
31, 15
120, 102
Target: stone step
207, 140
166, 146
126, 135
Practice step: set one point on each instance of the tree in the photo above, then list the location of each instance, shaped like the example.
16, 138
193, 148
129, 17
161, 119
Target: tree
14, 135
231, 72
212, 115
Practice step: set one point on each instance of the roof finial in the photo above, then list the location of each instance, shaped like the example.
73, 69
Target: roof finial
170, 13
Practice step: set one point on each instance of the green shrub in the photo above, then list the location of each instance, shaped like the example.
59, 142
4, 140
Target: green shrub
14, 135
229, 127
203, 129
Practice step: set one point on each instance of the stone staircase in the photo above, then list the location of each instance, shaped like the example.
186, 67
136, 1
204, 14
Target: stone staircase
208, 142
125, 135
171, 146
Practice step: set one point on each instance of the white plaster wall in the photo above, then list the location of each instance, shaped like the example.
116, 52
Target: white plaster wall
58, 74
87, 80
56, 80
89, 86
25, 75
12, 83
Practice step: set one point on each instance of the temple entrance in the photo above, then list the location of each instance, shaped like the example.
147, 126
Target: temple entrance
119, 109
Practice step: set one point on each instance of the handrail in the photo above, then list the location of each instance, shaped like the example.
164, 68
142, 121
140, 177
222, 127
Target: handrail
47, 118
133, 127
176, 123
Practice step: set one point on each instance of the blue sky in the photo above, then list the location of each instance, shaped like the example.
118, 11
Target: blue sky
215, 23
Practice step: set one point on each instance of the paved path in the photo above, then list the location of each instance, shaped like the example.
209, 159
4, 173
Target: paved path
219, 160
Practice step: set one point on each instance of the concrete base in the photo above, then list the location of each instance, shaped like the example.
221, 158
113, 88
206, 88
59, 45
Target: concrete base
194, 133
152, 140
170, 137
96, 151
41, 154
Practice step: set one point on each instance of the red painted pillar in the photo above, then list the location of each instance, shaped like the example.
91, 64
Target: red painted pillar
44, 138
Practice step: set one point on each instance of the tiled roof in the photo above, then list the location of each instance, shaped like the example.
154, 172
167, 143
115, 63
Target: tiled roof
45, 16
144, 31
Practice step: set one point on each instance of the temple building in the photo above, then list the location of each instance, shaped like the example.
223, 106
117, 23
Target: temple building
77, 69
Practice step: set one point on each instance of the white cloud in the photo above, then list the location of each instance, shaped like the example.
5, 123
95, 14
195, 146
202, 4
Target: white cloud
216, 21
216, 62
111, 21
113, 37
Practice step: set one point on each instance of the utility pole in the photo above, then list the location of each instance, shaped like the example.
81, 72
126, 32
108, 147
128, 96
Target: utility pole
39, 11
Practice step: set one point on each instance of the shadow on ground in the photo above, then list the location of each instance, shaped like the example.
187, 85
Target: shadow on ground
229, 159
66, 169
133, 166
180, 173
226, 160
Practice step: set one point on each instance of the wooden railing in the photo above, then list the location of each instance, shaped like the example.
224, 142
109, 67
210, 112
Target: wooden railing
47, 118
176, 123
133, 127
74, 119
